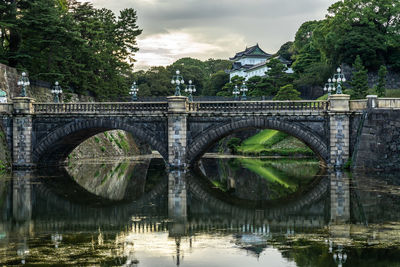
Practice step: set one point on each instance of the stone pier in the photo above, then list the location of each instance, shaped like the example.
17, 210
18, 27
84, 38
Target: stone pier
22, 132
177, 128
339, 124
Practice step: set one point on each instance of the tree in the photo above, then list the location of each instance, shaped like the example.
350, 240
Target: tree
215, 83
228, 88
287, 92
233, 143
359, 80
286, 51
381, 86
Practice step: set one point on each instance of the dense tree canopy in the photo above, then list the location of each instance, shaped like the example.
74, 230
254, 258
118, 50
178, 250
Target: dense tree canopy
88, 49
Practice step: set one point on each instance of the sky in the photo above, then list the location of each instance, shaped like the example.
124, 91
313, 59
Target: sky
217, 29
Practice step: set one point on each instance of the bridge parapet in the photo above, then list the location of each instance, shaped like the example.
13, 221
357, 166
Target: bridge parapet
6, 108
257, 106
391, 103
100, 108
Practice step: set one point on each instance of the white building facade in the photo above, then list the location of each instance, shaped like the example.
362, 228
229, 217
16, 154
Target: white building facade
252, 62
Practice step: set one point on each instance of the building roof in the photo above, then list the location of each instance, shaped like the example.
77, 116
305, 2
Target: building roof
2, 93
239, 66
254, 51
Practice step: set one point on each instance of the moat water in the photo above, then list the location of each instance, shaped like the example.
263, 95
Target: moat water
227, 212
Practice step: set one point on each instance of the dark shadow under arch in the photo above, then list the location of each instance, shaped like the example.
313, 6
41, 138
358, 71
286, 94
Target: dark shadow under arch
54, 148
203, 142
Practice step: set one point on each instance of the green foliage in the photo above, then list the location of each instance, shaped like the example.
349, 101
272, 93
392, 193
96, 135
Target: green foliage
359, 81
216, 83
103, 149
96, 139
83, 47
380, 87
286, 50
228, 88
287, 92
208, 76
232, 144
392, 93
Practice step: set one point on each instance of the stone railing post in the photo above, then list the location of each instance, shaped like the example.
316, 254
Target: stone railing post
177, 127
372, 101
339, 126
22, 132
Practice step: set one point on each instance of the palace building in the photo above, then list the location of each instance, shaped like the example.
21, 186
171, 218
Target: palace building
253, 62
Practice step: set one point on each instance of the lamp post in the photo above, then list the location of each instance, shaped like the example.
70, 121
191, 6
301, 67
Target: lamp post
178, 80
329, 86
236, 92
190, 89
244, 89
134, 91
338, 78
56, 90
24, 82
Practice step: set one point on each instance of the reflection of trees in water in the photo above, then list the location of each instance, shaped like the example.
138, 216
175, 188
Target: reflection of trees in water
111, 180
259, 179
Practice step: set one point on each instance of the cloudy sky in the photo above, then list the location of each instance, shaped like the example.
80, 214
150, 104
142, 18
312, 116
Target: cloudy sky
204, 29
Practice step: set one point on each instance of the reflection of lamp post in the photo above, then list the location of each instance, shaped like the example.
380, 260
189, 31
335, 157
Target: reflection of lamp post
236, 92
190, 89
338, 78
339, 256
134, 90
244, 89
56, 90
24, 82
179, 257
178, 80
56, 239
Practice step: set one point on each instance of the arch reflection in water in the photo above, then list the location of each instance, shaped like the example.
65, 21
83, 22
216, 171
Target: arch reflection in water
182, 219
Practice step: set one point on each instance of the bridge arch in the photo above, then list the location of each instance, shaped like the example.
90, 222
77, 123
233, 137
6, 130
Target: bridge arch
55, 147
204, 141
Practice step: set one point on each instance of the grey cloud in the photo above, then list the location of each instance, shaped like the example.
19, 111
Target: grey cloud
268, 22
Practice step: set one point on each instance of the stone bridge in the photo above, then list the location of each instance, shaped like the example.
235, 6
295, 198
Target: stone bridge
181, 131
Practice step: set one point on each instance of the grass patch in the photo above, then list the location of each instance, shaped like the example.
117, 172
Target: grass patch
392, 93
258, 167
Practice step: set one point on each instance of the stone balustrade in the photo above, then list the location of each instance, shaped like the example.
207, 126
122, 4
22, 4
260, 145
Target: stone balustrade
356, 105
6, 108
98, 108
257, 106
391, 103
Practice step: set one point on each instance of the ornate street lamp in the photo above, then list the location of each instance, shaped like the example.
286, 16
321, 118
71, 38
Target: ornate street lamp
236, 92
24, 82
338, 78
178, 80
56, 91
329, 86
244, 89
190, 89
134, 91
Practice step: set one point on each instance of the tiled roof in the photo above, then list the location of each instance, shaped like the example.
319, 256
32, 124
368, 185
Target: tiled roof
254, 51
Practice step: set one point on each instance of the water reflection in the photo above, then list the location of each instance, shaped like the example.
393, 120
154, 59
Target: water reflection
183, 218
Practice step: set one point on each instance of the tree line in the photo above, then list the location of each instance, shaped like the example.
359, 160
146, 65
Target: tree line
92, 50
88, 49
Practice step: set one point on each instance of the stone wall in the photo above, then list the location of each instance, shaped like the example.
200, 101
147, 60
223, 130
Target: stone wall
392, 77
379, 144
